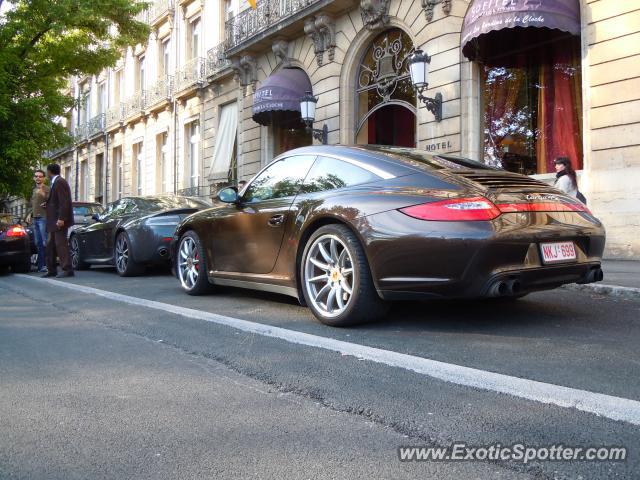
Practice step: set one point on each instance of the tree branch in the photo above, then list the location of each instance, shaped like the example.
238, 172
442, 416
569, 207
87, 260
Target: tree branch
34, 40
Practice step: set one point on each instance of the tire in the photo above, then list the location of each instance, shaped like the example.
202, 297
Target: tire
191, 265
125, 265
76, 258
342, 294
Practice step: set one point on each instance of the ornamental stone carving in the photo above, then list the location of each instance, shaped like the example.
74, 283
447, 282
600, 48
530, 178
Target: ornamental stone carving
375, 13
245, 69
322, 32
280, 48
429, 5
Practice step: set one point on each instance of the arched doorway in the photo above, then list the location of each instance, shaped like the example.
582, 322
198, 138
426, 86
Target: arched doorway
385, 98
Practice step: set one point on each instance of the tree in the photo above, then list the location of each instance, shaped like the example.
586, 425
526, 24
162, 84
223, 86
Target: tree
42, 44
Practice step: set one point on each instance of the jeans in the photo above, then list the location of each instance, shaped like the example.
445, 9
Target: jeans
40, 231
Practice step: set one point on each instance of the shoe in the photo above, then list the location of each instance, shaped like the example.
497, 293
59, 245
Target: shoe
48, 274
65, 274
43, 270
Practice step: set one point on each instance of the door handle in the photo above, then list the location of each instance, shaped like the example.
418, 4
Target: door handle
276, 220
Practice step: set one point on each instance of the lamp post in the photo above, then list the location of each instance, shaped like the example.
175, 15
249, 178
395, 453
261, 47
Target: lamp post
419, 63
308, 115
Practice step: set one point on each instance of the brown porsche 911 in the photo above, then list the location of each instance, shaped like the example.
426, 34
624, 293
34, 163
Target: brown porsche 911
345, 228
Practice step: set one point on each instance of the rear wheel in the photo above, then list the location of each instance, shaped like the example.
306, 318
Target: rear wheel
76, 258
336, 279
125, 265
191, 265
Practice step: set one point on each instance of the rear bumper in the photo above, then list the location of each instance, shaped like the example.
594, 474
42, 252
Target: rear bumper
470, 259
14, 251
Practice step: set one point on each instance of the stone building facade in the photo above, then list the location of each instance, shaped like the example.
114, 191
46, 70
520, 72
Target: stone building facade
502, 102
332, 43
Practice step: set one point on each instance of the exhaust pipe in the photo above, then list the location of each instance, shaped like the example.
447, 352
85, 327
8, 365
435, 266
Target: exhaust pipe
595, 275
163, 252
498, 289
513, 287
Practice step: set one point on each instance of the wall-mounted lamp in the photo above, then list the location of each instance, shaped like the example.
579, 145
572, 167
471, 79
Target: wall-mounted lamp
308, 114
419, 69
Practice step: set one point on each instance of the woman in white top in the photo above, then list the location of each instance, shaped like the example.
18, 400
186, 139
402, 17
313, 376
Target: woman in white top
566, 180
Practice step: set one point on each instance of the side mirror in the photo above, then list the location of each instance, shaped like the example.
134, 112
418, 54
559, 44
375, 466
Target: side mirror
96, 217
228, 195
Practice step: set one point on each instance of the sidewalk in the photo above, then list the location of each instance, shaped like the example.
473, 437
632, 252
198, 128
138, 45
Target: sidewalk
621, 278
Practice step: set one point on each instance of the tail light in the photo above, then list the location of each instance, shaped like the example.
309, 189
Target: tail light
479, 208
543, 207
16, 231
454, 209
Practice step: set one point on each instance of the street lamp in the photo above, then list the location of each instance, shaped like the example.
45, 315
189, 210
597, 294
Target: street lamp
419, 69
308, 115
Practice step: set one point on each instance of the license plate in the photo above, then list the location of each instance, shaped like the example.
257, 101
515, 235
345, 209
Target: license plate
558, 252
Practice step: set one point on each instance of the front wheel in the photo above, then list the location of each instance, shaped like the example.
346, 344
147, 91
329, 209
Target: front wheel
191, 264
125, 265
336, 279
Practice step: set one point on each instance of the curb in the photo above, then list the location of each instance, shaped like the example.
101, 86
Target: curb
604, 289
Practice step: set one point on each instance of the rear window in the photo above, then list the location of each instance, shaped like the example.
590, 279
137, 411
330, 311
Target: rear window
421, 159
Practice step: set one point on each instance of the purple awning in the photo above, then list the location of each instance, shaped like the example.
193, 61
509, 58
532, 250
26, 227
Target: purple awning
486, 16
280, 92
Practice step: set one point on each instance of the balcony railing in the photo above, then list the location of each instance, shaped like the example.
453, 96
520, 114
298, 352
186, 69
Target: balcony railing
159, 8
114, 115
158, 92
251, 22
79, 133
216, 60
96, 125
58, 151
133, 105
193, 72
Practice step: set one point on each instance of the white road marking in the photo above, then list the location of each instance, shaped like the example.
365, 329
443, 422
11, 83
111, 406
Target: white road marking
615, 408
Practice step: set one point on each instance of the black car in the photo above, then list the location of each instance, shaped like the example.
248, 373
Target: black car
83, 213
133, 232
15, 251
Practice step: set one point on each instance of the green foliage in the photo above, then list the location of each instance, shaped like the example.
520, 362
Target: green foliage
42, 44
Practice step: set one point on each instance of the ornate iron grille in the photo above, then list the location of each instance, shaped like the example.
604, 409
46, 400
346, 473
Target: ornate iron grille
216, 60
267, 13
159, 92
191, 73
96, 125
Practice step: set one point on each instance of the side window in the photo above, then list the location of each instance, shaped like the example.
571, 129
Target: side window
280, 179
330, 173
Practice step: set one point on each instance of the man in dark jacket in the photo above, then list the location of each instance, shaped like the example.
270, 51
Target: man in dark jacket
59, 219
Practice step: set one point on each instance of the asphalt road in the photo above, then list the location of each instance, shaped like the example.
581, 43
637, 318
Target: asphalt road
91, 387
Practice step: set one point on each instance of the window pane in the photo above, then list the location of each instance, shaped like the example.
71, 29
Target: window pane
532, 107
329, 174
281, 179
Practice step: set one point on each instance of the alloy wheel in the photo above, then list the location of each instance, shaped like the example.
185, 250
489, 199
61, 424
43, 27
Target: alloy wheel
188, 263
74, 250
329, 275
122, 253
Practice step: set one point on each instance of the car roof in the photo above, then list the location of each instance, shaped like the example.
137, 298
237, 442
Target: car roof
395, 160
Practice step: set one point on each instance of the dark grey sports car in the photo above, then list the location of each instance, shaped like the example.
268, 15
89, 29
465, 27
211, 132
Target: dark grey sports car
344, 228
133, 232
